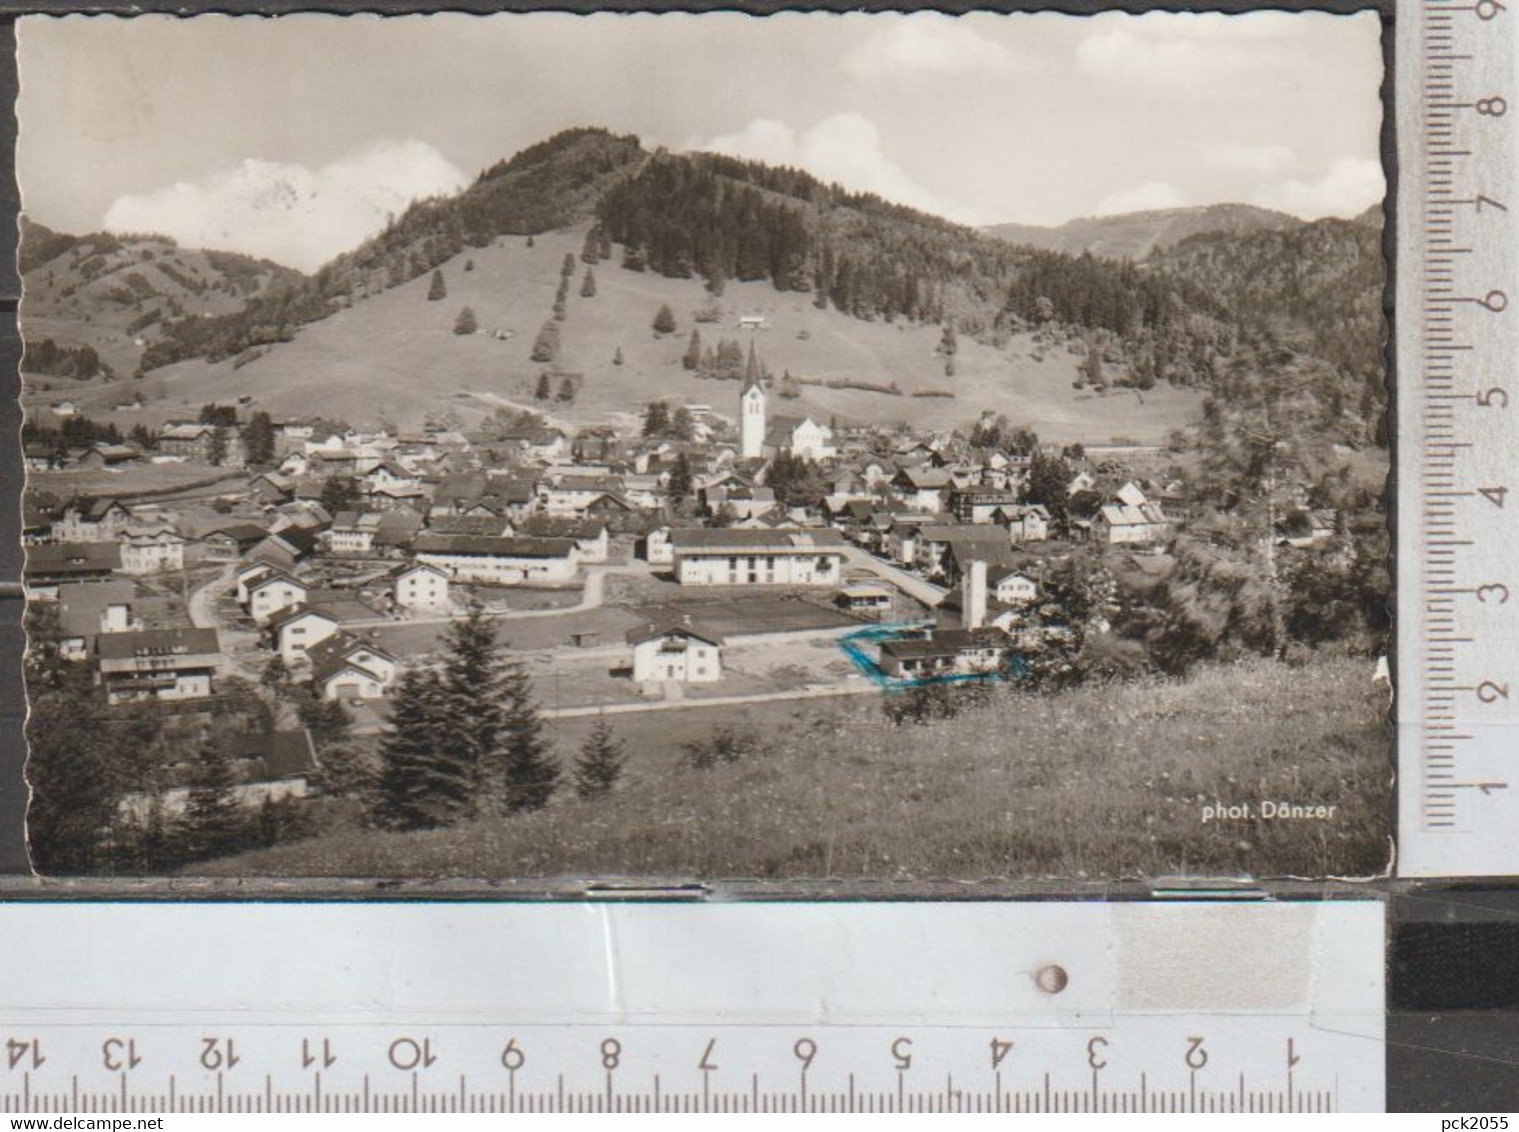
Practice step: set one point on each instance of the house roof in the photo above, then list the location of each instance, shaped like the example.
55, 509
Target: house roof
412, 567
80, 605
64, 558
672, 622
156, 642
342, 645
1126, 515
274, 575
296, 612
485, 545
944, 642
274, 755
738, 541
242, 533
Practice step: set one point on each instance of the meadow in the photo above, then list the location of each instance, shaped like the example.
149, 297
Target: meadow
370, 355
1098, 782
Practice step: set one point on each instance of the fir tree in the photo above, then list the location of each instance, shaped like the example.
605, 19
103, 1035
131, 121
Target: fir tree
617, 356
546, 345
425, 781
212, 818
469, 265
465, 323
664, 320
600, 763
531, 771
437, 289
680, 478
656, 419
474, 682
692, 359
218, 446
545, 387
566, 389
567, 268
258, 439
588, 285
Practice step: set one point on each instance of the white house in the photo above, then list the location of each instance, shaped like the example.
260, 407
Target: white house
676, 649
147, 549
346, 667
657, 550
164, 664
773, 557
1027, 522
352, 532
273, 591
296, 629
1119, 523
420, 585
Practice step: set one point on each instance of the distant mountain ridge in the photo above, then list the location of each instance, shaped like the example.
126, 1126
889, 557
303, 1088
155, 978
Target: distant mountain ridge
1135, 235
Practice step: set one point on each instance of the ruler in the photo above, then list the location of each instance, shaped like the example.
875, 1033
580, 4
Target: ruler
1010, 1007
1458, 439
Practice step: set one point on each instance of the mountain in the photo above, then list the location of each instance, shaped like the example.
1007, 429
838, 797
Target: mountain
94, 303
877, 312
1135, 235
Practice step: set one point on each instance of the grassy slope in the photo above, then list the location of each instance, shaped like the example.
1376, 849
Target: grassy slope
1091, 783
394, 355
48, 313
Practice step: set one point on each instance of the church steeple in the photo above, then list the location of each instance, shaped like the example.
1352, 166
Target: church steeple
751, 371
751, 410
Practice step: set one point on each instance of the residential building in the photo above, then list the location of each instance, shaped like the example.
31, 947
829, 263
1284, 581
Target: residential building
92, 520
677, 649
274, 591
420, 585
164, 664
945, 652
227, 544
151, 548
295, 629
347, 667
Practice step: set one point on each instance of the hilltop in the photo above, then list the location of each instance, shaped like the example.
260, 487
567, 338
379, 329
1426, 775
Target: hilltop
1135, 235
113, 295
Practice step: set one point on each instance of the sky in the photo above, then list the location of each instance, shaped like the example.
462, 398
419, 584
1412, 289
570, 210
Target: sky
295, 137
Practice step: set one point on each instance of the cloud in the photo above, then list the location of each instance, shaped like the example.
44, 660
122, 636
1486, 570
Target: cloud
1141, 198
1351, 185
845, 148
288, 212
929, 44
1186, 52
1263, 159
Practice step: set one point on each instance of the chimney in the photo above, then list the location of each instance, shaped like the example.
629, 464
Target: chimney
973, 602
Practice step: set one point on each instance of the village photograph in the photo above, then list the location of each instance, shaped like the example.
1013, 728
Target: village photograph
705, 446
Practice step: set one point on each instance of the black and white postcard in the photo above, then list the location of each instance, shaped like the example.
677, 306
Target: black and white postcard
888, 447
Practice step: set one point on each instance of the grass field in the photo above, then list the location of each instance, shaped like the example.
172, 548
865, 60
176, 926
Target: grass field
1095, 783
370, 357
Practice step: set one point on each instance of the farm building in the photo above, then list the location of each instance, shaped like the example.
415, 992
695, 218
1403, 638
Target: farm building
500, 561
777, 557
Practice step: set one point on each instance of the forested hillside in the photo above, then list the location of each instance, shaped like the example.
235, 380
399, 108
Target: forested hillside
1185, 316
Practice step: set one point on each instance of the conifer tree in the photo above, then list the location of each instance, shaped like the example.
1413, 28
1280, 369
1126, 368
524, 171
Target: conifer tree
600, 763
692, 359
437, 289
258, 439
664, 320
680, 478
546, 345
474, 687
531, 771
424, 781
465, 323
588, 285
566, 389
656, 419
211, 812
617, 357
567, 268
544, 387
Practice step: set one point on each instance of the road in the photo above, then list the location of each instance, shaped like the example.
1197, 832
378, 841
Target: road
203, 598
926, 592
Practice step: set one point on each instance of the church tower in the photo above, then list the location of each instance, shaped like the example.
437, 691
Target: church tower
751, 411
